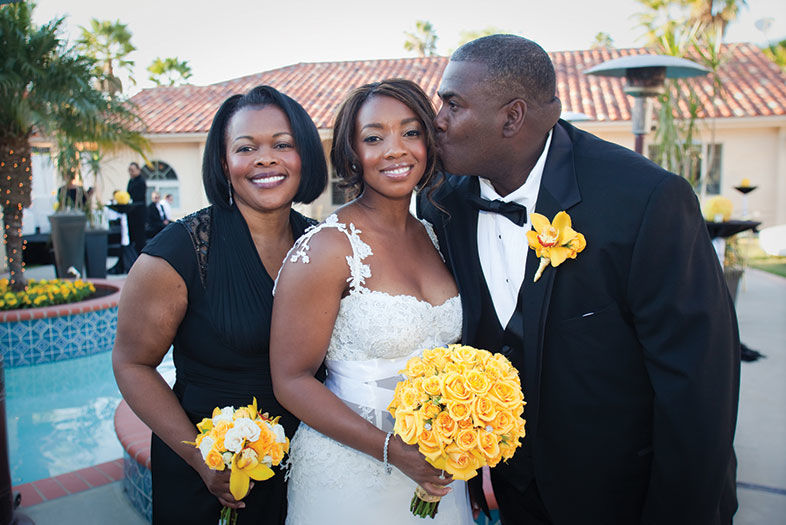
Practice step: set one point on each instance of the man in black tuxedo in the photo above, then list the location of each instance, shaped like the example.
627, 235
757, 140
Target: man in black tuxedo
156, 216
629, 353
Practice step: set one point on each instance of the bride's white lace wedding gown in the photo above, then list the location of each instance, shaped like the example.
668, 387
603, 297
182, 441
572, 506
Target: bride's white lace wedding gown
374, 335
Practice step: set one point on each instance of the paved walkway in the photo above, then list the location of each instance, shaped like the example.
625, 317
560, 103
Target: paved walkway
760, 441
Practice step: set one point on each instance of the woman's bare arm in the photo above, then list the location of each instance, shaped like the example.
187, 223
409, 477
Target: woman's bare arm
304, 313
152, 306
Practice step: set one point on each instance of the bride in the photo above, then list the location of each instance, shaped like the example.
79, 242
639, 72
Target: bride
362, 292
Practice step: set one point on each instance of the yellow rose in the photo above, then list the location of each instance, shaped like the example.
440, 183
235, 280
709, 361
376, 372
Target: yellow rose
454, 387
458, 410
459, 463
489, 446
432, 385
503, 423
415, 368
467, 439
276, 452
465, 423
214, 460
478, 382
506, 393
483, 411
411, 396
436, 357
219, 431
483, 357
445, 426
464, 354
265, 440
429, 444
430, 410
406, 425
455, 368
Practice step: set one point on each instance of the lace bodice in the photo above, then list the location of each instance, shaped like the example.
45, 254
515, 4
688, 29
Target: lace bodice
373, 324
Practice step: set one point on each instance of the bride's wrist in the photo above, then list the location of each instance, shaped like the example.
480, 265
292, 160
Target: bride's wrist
386, 453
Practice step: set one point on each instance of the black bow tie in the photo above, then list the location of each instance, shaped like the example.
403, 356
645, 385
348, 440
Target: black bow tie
512, 210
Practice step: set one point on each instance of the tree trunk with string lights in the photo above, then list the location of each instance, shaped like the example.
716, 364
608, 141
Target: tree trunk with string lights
15, 187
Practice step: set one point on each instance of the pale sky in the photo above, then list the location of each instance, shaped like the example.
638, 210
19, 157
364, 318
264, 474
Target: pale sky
227, 39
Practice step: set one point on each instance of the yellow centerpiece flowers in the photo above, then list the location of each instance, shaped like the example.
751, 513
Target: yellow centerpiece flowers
245, 441
462, 407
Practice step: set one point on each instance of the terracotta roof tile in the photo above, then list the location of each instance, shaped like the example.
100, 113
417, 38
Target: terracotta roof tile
754, 87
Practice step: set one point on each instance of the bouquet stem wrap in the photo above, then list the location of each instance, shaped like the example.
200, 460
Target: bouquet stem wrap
424, 504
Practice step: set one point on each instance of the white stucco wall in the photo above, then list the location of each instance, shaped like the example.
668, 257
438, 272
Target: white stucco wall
753, 148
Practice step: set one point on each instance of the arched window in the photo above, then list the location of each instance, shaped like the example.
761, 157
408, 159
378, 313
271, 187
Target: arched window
160, 177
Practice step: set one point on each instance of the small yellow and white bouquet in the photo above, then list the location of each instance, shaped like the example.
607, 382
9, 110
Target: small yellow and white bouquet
245, 441
462, 407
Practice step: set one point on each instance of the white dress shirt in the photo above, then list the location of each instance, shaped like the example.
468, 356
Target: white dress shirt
166, 210
502, 245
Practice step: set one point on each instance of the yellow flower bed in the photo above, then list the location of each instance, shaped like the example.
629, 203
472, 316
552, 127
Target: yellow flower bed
44, 293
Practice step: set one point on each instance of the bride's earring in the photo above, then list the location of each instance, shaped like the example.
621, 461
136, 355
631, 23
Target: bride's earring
231, 200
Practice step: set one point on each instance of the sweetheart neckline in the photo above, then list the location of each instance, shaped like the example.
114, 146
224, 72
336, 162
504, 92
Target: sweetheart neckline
363, 290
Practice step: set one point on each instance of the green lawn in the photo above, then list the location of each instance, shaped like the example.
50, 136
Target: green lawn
756, 258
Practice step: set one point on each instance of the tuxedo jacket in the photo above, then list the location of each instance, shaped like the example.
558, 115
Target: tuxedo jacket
628, 354
155, 222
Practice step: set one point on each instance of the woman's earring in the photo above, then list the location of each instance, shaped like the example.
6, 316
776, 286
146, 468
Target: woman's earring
354, 167
231, 200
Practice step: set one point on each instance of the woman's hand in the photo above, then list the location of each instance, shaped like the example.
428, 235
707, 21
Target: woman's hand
409, 460
217, 482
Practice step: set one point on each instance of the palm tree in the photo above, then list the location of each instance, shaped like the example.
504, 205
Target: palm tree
716, 13
46, 87
109, 44
423, 40
662, 17
169, 71
602, 40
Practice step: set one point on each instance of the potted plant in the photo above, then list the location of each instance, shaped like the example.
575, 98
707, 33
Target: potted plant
69, 220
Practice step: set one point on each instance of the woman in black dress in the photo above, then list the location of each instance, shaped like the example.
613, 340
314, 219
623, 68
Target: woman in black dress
204, 285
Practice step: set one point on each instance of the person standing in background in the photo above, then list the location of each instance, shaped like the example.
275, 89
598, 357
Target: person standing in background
166, 204
137, 189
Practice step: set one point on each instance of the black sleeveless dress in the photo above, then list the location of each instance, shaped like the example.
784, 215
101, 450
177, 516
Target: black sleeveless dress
221, 355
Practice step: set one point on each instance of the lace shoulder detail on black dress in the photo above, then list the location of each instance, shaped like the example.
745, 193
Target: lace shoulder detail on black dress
198, 226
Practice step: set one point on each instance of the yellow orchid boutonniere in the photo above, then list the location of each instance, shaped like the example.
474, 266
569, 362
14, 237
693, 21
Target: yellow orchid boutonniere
554, 241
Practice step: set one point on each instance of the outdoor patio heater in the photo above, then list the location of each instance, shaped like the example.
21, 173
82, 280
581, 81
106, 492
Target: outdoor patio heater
645, 77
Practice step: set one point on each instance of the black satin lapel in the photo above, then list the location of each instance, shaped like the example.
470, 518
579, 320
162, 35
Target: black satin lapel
534, 299
559, 173
461, 235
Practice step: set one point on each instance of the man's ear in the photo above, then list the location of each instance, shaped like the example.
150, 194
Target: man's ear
515, 113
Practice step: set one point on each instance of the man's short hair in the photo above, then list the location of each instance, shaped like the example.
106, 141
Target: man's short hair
517, 67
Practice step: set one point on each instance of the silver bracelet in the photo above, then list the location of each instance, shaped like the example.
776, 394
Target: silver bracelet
388, 467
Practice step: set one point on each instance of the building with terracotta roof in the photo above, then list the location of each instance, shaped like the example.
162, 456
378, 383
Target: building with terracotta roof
747, 127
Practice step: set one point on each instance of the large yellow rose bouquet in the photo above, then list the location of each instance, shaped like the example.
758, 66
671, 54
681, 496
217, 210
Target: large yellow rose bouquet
462, 407
245, 441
